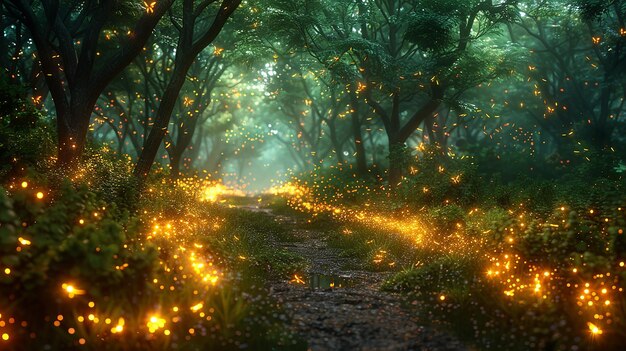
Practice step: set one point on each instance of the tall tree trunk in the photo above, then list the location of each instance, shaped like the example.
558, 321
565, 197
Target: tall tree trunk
72, 127
396, 143
332, 129
396, 162
183, 139
601, 132
361, 160
164, 112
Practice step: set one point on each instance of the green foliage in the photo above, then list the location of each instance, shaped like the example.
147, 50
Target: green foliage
69, 236
431, 31
593, 9
559, 225
438, 179
344, 186
491, 224
26, 140
82, 232
399, 155
449, 275
376, 250
447, 218
109, 175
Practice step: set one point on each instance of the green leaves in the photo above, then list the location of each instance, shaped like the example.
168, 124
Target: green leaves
431, 31
75, 237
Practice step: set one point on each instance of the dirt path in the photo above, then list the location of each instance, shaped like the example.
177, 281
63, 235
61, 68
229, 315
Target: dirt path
353, 314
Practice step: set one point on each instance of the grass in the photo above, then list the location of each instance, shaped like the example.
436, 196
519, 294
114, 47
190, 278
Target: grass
254, 243
546, 273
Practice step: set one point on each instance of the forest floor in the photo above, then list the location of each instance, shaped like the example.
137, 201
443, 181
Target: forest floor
338, 305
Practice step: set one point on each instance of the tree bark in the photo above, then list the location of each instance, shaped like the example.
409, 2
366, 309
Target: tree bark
359, 147
332, 129
164, 112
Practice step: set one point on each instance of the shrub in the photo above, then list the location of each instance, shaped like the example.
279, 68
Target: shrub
79, 264
26, 139
447, 218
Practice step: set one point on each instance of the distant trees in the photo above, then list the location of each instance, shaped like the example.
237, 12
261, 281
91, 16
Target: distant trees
402, 58
578, 67
353, 83
312, 110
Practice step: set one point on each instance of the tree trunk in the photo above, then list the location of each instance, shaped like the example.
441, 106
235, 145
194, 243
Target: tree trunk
361, 160
183, 139
186, 52
164, 112
396, 162
335, 141
72, 127
601, 132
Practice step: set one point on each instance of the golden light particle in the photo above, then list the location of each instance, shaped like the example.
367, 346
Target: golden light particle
119, 327
594, 328
197, 307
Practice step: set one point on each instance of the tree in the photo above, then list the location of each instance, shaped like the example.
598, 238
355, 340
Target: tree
193, 111
196, 29
93, 41
17, 61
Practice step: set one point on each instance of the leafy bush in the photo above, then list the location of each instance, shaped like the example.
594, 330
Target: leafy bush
26, 139
84, 264
436, 179
67, 236
447, 218
449, 276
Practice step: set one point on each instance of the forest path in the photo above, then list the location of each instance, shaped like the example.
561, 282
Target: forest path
353, 314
